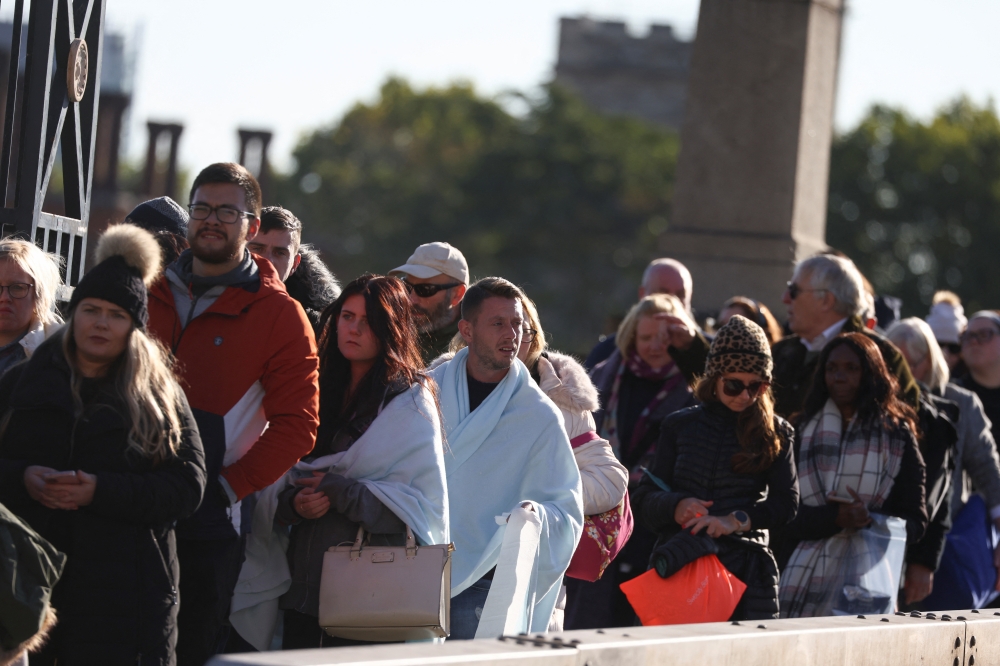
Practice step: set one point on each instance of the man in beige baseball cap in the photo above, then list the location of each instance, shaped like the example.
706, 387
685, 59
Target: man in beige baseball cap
436, 275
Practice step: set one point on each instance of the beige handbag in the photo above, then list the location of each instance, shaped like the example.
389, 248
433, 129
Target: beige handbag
386, 593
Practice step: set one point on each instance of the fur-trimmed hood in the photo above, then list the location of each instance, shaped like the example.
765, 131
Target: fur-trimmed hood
312, 284
566, 382
562, 378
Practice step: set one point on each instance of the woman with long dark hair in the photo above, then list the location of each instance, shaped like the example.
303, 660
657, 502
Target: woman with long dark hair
723, 473
100, 454
857, 455
378, 461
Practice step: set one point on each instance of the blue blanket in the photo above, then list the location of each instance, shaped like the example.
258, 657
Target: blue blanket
512, 449
399, 459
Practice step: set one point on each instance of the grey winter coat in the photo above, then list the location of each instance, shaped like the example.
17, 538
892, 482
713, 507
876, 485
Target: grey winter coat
976, 458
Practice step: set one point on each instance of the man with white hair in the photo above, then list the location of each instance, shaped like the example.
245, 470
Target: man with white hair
825, 297
666, 276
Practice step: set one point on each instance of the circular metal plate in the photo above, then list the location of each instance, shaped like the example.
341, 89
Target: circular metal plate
76, 70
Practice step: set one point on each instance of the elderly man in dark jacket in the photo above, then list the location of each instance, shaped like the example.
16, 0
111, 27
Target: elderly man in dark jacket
825, 298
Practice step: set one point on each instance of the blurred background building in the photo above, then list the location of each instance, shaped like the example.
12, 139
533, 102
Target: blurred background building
617, 73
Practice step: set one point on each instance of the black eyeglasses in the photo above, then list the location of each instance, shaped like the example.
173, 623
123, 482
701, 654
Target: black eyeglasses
528, 335
225, 214
982, 337
427, 290
794, 290
735, 387
953, 348
17, 289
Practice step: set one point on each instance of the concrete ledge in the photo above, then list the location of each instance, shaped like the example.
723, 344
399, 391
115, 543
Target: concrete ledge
953, 638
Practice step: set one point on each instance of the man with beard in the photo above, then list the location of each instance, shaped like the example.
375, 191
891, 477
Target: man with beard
507, 454
247, 361
436, 275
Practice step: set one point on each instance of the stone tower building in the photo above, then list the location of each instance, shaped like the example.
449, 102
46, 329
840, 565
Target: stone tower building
616, 73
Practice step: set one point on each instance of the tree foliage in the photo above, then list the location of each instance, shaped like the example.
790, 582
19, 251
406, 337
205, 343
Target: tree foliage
562, 200
917, 205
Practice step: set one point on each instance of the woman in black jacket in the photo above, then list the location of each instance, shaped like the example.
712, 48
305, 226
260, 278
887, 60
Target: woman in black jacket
100, 454
857, 454
723, 473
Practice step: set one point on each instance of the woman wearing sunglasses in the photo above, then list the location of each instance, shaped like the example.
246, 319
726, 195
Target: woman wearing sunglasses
857, 455
723, 473
981, 354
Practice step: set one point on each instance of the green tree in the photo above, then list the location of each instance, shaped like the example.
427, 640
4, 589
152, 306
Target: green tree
562, 200
917, 205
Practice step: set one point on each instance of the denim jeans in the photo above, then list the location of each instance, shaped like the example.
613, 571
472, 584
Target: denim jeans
467, 608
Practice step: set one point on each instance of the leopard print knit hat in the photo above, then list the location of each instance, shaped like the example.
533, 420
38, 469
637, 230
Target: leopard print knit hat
740, 346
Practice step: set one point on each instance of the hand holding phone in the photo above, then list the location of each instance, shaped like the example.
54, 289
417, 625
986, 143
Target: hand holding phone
62, 478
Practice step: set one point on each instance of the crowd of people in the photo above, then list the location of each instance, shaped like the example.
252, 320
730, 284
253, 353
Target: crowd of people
184, 441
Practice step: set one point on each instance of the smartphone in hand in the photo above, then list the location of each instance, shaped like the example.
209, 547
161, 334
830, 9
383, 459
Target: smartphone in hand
62, 477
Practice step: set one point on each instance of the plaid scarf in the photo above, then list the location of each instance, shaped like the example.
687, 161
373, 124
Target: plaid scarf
830, 461
671, 377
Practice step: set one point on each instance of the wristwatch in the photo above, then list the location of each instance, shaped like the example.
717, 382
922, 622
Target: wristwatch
743, 519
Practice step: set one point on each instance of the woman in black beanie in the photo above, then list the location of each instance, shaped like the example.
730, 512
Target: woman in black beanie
730, 472
100, 454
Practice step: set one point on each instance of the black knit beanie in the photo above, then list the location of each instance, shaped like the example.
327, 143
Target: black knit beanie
161, 214
129, 259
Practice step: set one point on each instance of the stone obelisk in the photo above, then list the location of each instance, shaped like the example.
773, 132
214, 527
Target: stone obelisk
752, 176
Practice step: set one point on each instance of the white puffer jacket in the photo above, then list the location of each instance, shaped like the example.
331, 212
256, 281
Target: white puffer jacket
567, 384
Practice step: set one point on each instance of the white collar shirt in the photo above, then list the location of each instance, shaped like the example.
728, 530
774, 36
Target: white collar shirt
817, 343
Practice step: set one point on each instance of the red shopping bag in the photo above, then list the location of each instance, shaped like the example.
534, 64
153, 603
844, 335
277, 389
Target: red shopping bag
703, 591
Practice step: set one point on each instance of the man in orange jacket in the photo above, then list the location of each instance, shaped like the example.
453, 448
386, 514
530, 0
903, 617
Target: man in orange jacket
247, 361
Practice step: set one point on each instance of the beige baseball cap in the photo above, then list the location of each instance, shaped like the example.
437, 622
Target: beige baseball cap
432, 259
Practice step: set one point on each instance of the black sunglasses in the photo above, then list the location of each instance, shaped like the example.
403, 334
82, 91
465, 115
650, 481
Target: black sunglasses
794, 290
735, 387
428, 290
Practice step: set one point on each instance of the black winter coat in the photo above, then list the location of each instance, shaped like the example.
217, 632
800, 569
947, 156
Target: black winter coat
117, 599
694, 459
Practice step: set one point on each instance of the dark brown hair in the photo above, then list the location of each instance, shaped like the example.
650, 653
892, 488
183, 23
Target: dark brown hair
758, 313
488, 287
390, 318
758, 437
276, 218
230, 173
878, 396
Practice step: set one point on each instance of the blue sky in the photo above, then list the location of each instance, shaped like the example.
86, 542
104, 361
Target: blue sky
291, 66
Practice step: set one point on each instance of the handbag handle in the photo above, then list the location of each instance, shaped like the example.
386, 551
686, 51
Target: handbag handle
411, 544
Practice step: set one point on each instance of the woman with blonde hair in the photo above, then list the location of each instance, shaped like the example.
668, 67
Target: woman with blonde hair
29, 278
976, 463
100, 454
639, 385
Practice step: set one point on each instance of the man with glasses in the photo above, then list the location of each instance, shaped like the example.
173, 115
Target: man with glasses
247, 361
437, 276
29, 278
825, 297
981, 353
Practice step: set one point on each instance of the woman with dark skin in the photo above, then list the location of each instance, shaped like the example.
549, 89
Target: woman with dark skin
857, 454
